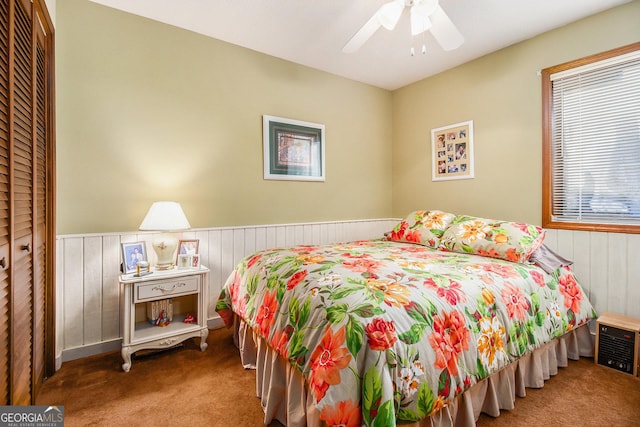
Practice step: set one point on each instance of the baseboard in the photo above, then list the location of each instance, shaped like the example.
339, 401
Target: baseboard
88, 350
593, 327
215, 323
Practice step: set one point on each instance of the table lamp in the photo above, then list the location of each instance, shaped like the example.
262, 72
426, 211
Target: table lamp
167, 217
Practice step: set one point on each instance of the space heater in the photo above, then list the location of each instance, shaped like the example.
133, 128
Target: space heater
618, 342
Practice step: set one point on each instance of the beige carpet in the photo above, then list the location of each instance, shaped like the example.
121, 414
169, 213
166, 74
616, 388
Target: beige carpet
187, 387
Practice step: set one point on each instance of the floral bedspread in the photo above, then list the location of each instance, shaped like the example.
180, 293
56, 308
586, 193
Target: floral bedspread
387, 332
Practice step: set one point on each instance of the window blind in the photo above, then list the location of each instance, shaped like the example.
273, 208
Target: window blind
595, 143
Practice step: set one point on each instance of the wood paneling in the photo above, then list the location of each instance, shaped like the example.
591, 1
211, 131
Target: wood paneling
88, 266
606, 265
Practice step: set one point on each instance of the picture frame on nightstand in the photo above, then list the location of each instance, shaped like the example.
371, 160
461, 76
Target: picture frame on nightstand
184, 261
195, 261
187, 247
132, 254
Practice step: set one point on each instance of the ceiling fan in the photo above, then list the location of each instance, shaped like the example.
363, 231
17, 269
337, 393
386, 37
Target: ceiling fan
425, 15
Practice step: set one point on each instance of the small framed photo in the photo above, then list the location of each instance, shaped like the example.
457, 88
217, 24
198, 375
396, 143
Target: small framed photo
293, 149
187, 247
184, 261
132, 254
195, 261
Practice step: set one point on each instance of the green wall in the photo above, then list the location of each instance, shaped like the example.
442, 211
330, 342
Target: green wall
146, 112
501, 93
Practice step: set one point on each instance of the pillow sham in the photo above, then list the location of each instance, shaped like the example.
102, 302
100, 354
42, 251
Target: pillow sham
421, 227
512, 241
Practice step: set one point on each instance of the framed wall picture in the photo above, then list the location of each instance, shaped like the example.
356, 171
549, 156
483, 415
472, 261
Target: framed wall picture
452, 152
132, 254
293, 149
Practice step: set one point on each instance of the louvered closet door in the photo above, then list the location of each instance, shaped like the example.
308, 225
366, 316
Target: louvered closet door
22, 162
4, 202
40, 210
27, 225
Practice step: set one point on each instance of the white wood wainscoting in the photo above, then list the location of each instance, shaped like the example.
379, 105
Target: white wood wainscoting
88, 297
607, 266
88, 266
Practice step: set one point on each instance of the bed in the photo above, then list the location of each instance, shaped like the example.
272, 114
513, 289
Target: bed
444, 317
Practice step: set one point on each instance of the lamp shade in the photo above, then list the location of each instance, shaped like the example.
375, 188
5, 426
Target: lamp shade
165, 216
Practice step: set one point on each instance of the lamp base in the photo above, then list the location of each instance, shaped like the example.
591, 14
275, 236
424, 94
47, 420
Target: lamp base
165, 248
164, 266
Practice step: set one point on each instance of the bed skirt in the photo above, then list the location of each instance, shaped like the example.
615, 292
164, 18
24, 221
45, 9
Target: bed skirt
284, 397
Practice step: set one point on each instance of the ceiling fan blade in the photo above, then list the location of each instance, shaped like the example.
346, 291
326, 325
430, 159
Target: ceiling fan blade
420, 21
389, 14
363, 34
444, 31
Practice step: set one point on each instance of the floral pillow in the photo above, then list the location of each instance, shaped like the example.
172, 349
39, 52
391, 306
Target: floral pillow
512, 241
421, 227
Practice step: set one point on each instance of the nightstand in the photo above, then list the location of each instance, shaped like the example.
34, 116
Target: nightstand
185, 291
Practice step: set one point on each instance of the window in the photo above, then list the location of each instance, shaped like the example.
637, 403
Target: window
591, 143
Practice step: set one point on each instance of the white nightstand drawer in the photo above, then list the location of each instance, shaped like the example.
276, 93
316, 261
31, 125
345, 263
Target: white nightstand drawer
166, 288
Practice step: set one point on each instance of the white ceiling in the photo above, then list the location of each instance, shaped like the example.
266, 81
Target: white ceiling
313, 32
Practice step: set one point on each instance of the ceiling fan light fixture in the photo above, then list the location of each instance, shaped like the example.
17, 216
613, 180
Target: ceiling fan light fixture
389, 14
425, 15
